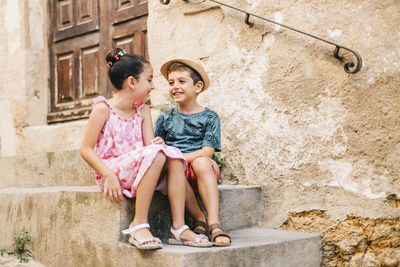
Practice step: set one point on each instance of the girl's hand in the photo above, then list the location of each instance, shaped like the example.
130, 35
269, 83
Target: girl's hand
112, 188
158, 141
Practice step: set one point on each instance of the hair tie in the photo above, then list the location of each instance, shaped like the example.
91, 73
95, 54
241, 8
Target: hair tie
117, 57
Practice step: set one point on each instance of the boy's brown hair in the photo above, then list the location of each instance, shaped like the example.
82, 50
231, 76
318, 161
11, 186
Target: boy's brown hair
195, 68
183, 67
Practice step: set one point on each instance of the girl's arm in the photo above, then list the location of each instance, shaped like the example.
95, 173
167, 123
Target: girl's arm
97, 119
205, 151
147, 126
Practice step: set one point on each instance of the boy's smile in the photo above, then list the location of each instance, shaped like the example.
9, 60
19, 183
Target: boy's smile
181, 87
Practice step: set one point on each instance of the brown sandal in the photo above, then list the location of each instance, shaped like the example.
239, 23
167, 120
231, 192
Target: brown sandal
198, 230
213, 236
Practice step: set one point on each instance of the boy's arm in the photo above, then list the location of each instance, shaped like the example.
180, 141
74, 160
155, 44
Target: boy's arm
205, 151
159, 132
159, 127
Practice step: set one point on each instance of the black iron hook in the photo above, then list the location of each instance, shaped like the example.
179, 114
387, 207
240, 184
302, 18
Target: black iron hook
247, 20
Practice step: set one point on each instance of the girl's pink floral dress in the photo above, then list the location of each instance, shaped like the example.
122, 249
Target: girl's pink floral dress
120, 146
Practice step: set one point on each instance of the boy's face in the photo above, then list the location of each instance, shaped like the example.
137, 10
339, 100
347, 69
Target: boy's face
181, 87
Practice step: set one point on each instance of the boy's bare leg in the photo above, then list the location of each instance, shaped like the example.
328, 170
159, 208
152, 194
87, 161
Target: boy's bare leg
208, 189
144, 196
176, 195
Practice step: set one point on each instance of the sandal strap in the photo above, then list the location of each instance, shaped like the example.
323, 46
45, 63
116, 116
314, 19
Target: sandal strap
177, 233
132, 230
199, 237
217, 234
215, 226
154, 239
200, 223
213, 236
200, 227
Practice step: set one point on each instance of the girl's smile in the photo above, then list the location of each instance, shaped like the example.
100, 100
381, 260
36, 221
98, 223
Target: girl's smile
144, 85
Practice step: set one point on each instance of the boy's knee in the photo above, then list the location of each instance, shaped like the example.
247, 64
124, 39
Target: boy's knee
202, 164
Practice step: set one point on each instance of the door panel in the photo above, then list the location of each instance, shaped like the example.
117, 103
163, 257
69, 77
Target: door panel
75, 18
90, 72
123, 10
79, 45
65, 83
131, 35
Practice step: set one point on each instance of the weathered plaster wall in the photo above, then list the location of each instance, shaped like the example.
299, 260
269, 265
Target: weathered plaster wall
24, 83
293, 121
24, 68
324, 145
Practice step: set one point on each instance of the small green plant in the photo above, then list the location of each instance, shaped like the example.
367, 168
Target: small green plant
18, 248
19, 244
164, 107
220, 160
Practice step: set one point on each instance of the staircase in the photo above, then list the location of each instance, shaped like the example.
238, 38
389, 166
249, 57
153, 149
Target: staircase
53, 195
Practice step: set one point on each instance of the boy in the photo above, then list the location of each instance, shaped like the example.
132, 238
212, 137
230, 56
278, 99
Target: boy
196, 131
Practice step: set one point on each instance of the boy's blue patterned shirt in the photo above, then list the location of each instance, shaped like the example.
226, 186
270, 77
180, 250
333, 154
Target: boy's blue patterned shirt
189, 132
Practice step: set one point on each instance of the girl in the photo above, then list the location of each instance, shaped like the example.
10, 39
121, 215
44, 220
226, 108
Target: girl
119, 145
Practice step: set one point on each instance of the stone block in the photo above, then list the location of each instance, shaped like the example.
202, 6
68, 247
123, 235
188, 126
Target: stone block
60, 168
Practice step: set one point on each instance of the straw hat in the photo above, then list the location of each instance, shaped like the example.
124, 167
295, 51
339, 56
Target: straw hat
194, 64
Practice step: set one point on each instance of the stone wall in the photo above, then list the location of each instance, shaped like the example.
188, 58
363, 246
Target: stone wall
353, 241
315, 137
24, 69
24, 85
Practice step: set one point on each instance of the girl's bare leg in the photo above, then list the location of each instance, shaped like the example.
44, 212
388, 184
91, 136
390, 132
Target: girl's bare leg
191, 204
144, 196
208, 189
176, 195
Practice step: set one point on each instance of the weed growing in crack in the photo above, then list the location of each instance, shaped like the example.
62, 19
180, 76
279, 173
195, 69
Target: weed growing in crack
18, 248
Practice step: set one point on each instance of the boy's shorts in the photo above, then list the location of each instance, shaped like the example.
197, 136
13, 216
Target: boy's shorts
191, 177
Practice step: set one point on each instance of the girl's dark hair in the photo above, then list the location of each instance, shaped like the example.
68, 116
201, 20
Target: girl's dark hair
123, 67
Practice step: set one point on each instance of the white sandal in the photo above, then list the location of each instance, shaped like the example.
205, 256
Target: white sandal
140, 243
178, 241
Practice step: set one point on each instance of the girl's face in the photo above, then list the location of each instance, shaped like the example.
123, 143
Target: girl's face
144, 85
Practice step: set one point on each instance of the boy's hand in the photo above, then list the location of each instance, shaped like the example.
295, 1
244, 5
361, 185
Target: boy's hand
112, 189
158, 141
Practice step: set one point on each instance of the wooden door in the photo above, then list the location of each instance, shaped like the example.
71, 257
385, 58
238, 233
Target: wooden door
81, 34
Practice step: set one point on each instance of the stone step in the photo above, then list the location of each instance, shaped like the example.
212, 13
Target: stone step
55, 209
250, 247
60, 168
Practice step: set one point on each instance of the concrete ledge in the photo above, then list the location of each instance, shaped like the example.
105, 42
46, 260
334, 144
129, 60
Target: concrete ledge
61, 168
238, 205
